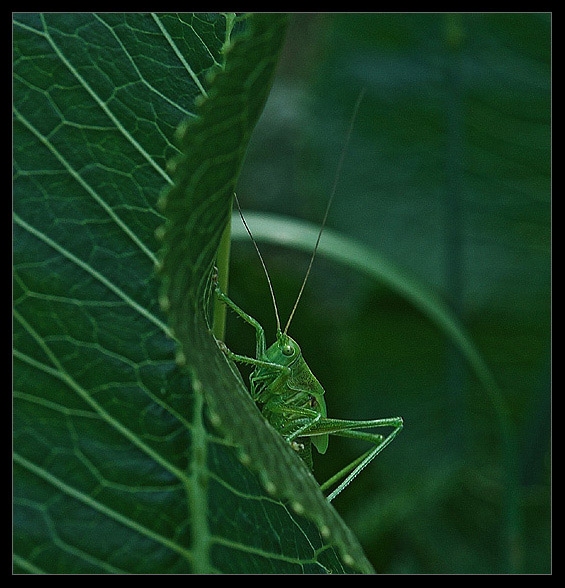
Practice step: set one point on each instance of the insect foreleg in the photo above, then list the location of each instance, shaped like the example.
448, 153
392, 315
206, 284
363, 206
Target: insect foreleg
251, 360
260, 346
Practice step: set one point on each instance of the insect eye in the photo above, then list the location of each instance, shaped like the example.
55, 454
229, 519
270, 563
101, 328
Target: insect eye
288, 350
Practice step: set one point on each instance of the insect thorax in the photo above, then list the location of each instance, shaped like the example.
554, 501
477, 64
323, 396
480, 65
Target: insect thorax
279, 393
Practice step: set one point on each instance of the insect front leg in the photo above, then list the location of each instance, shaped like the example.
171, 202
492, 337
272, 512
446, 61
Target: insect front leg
260, 345
251, 360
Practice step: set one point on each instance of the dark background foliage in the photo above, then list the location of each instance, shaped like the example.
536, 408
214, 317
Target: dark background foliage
448, 176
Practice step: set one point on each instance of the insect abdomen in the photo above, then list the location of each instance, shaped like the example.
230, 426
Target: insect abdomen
303, 446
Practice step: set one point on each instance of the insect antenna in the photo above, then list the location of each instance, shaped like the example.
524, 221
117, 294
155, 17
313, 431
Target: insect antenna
332, 194
262, 262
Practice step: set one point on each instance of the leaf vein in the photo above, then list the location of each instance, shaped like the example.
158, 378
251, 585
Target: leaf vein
103, 106
62, 374
100, 507
90, 191
180, 56
90, 270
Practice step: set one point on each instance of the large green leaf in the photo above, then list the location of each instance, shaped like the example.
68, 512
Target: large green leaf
116, 466
198, 210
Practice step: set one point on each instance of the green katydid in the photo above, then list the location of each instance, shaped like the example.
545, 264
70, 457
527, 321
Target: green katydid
287, 392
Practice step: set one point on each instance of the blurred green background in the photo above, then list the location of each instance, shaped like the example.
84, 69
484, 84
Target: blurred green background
448, 176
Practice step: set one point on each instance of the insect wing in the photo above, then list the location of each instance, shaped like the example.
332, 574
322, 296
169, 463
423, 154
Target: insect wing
321, 441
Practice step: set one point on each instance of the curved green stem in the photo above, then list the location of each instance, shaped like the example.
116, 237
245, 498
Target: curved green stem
223, 265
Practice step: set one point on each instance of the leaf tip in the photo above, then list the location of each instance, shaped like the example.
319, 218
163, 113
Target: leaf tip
270, 487
181, 131
162, 201
199, 100
164, 302
180, 358
348, 560
211, 76
215, 419
244, 458
160, 232
298, 507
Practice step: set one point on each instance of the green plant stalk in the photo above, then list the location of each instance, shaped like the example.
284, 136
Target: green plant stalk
223, 264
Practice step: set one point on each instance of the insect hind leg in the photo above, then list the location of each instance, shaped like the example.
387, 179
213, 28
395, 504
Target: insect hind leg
344, 428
